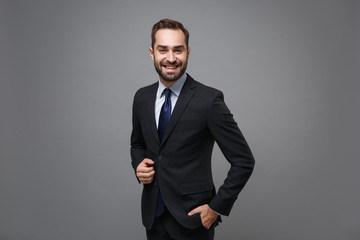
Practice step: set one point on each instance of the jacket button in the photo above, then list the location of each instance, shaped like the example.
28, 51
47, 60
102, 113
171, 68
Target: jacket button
160, 157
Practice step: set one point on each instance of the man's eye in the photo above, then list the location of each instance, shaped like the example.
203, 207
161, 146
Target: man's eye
162, 50
178, 51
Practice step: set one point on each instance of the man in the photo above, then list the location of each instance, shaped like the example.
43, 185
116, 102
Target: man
175, 124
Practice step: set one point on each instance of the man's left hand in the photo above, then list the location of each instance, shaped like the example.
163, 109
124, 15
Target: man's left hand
208, 216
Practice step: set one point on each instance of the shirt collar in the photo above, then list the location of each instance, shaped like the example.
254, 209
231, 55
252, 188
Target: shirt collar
175, 88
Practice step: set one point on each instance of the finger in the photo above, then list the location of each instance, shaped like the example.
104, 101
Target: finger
145, 174
146, 177
140, 174
148, 161
196, 210
208, 223
145, 169
144, 166
146, 180
207, 226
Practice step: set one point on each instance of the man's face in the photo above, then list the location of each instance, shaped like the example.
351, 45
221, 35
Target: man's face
170, 54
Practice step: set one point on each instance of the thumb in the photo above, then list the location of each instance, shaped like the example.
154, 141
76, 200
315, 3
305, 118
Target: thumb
196, 210
148, 161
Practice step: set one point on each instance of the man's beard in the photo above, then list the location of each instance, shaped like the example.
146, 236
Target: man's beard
171, 78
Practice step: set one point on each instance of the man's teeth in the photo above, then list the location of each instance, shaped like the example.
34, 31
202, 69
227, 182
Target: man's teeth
170, 67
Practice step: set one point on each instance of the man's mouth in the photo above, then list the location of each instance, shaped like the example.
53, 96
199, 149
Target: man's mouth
170, 67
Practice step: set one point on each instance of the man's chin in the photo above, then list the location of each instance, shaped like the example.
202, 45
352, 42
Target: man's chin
171, 78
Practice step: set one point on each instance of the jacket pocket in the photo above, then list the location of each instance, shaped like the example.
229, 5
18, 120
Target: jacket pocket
196, 194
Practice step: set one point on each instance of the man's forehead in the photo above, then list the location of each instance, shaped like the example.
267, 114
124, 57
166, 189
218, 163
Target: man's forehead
170, 37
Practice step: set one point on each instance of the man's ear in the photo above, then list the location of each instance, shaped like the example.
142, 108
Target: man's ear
188, 51
151, 53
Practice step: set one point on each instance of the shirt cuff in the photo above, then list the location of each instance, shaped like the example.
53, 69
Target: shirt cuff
215, 211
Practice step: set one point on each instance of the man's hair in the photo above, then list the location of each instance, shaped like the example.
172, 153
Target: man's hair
168, 24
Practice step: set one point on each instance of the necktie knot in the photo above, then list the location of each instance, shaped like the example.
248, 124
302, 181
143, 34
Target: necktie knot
167, 93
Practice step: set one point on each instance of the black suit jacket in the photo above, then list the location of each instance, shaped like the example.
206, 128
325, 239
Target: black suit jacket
183, 158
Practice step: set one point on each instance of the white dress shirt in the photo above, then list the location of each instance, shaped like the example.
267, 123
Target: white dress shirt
174, 95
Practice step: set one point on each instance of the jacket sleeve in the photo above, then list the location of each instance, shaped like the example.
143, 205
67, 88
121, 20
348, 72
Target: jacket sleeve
138, 147
235, 149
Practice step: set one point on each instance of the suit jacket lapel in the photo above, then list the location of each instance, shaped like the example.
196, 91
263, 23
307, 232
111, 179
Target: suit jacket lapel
185, 95
151, 109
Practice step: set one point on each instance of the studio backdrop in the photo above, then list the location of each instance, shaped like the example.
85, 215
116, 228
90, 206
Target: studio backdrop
68, 74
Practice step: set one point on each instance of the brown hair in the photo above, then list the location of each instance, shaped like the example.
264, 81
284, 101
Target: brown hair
168, 24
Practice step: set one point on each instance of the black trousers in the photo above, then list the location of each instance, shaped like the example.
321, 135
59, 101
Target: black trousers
167, 228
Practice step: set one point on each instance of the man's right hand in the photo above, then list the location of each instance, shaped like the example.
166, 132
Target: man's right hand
145, 171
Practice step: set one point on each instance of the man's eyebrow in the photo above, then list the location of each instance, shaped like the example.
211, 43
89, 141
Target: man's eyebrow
177, 47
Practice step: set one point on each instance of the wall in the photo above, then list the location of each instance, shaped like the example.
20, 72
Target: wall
69, 70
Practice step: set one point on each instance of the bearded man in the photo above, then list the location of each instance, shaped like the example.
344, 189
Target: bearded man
176, 122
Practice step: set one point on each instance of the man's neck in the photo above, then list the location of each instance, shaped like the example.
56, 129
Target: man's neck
167, 84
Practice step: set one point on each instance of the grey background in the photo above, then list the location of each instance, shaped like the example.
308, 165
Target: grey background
69, 70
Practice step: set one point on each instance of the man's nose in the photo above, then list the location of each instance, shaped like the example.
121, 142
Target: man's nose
171, 57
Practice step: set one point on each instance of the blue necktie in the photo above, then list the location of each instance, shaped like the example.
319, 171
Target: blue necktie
163, 121
165, 113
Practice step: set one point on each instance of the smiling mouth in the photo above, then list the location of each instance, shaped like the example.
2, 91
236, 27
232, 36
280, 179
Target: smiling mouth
170, 67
